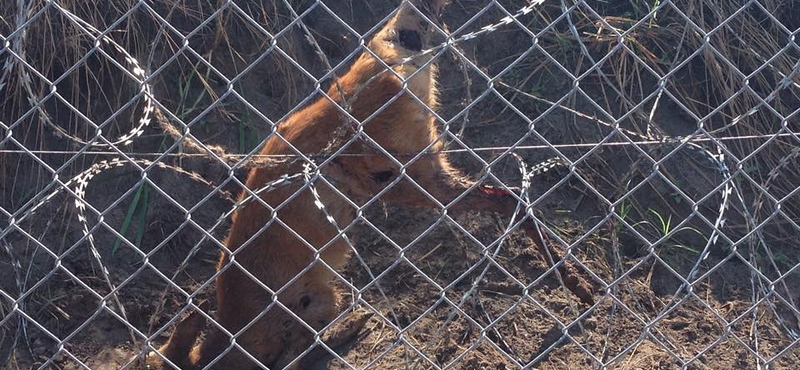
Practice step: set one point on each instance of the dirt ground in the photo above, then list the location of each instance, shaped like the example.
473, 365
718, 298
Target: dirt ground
51, 285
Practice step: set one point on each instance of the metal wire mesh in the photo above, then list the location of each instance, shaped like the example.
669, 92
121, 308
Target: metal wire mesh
652, 148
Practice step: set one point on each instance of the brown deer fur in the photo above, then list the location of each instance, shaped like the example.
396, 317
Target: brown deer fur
274, 252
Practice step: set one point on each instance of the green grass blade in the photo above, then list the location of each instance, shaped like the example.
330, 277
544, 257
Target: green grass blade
142, 217
128, 217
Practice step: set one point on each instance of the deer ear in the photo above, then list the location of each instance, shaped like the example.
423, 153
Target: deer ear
186, 332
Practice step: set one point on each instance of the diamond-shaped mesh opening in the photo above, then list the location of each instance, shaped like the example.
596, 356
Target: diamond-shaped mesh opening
44, 346
531, 84
496, 57
24, 193
611, 320
523, 333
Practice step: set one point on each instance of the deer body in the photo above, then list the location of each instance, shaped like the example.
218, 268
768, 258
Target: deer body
276, 247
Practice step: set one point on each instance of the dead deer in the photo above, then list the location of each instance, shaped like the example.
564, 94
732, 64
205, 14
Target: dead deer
274, 246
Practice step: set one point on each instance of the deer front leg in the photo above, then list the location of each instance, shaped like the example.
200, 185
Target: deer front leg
446, 184
569, 273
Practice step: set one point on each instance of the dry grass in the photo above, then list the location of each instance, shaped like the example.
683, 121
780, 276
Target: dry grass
702, 73
735, 81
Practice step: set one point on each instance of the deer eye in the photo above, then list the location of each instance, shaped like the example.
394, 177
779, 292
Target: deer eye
410, 40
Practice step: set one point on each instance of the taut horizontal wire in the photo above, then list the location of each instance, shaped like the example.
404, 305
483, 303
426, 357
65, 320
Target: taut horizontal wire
478, 149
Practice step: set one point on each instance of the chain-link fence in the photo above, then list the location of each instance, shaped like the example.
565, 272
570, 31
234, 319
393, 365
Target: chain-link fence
291, 184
